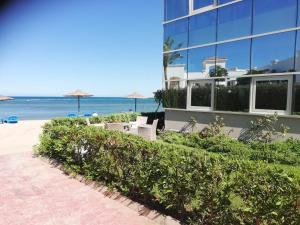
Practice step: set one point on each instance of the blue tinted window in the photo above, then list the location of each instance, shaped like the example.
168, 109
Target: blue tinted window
201, 62
221, 2
175, 65
296, 109
298, 22
202, 3
297, 68
235, 20
203, 28
236, 56
176, 8
270, 15
273, 53
177, 32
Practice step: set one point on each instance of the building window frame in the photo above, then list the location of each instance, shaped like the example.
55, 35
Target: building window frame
213, 6
189, 95
288, 109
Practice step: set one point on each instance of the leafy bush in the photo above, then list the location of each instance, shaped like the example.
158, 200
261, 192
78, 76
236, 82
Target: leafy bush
263, 129
213, 129
286, 152
113, 118
190, 126
195, 186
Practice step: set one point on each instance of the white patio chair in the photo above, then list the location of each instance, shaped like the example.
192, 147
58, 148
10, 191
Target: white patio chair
148, 131
133, 126
116, 126
140, 120
88, 122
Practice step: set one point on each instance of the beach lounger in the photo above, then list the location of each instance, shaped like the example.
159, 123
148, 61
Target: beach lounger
12, 119
116, 126
140, 120
88, 122
148, 131
72, 115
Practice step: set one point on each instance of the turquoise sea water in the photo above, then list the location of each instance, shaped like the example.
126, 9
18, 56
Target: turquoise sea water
34, 108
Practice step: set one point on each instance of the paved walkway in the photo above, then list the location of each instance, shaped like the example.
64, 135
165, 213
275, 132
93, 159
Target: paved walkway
34, 193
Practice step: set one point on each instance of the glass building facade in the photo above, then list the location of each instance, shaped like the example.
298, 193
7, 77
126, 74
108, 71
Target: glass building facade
232, 55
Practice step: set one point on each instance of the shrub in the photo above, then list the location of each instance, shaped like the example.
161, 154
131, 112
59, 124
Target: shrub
285, 152
190, 126
113, 118
213, 129
195, 186
263, 129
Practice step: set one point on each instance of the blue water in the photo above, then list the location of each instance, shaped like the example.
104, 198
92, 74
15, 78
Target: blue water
34, 108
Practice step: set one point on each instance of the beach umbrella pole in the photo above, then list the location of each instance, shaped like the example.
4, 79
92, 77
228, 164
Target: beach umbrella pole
135, 101
78, 98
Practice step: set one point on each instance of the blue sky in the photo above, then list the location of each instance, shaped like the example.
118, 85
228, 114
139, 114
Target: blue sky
105, 47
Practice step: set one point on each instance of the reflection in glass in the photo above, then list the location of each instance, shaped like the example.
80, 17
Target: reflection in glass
271, 94
175, 65
178, 32
202, 28
270, 15
201, 94
221, 2
176, 8
237, 57
297, 95
297, 66
202, 3
273, 53
235, 20
175, 95
232, 94
202, 62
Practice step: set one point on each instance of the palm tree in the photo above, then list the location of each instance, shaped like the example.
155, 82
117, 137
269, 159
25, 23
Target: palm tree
169, 58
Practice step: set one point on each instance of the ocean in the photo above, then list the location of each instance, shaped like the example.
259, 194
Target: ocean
37, 108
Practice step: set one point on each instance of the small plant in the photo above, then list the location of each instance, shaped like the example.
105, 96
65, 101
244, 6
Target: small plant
213, 129
158, 96
264, 129
190, 126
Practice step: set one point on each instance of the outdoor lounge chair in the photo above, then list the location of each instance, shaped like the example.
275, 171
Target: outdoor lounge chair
148, 131
140, 120
12, 119
116, 126
72, 115
88, 122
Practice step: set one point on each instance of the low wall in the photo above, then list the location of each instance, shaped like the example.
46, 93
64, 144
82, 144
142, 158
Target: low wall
235, 122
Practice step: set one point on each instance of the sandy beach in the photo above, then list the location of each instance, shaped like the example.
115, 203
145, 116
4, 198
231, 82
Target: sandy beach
32, 192
20, 137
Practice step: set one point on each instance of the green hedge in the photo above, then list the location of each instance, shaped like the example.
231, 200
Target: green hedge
113, 118
286, 152
197, 187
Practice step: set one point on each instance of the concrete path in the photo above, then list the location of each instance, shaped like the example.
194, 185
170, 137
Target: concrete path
34, 193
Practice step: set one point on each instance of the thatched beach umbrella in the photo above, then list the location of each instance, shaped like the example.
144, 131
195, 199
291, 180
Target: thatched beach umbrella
135, 96
78, 94
5, 98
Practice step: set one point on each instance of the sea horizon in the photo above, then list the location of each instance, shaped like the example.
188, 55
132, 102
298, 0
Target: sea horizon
49, 107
